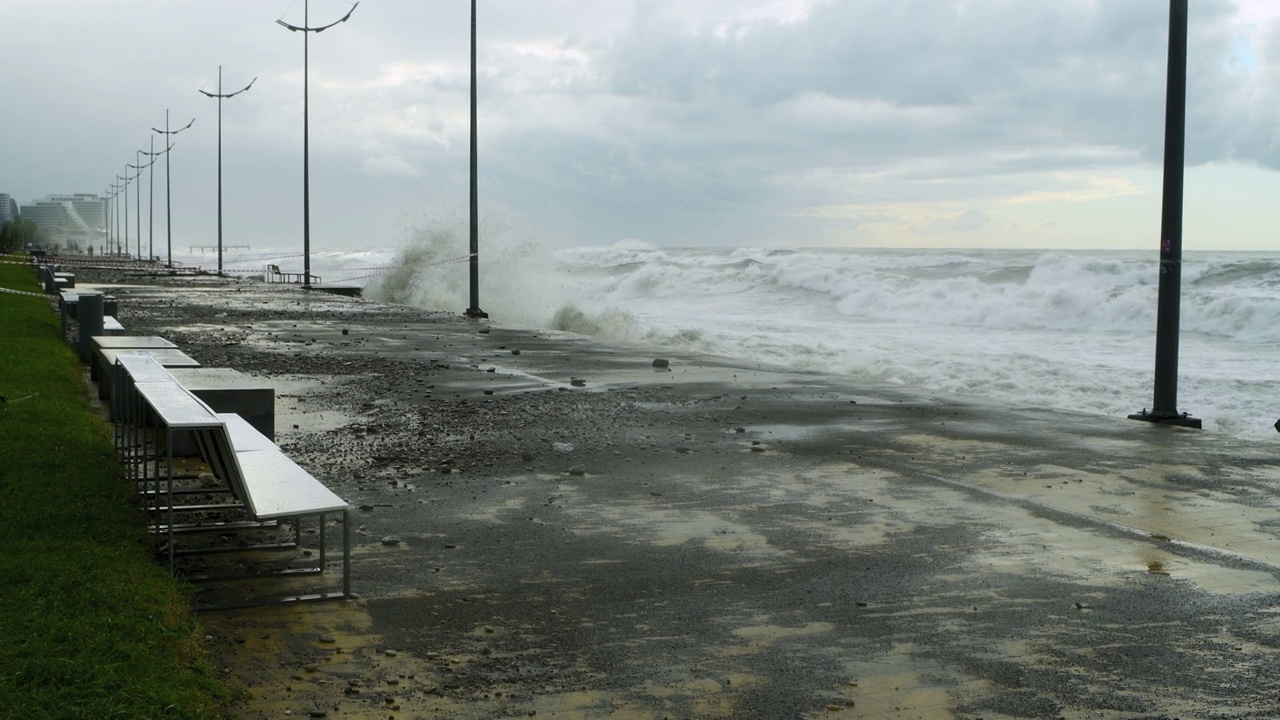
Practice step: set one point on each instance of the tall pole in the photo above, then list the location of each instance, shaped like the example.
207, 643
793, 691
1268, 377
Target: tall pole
137, 199
474, 311
168, 195
151, 201
306, 149
106, 216
219, 169
1165, 403
111, 216
138, 203
220, 96
306, 30
115, 245
168, 191
125, 250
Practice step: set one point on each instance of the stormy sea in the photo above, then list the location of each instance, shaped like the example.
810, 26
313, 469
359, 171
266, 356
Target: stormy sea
1061, 329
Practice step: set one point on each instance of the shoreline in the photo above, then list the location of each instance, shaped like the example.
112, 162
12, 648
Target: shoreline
726, 540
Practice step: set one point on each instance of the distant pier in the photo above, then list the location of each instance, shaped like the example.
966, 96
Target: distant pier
214, 248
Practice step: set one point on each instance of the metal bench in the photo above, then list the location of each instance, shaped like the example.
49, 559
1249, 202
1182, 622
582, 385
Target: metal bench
268, 485
99, 343
273, 274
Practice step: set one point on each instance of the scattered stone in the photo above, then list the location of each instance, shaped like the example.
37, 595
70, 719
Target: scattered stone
562, 447
311, 667
327, 639
319, 712
526, 456
515, 352
661, 363
739, 429
578, 470
484, 331
577, 382
488, 392
208, 480
345, 331
391, 540
758, 448
683, 450
366, 508
390, 653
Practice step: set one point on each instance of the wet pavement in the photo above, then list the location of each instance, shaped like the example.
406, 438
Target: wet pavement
724, 540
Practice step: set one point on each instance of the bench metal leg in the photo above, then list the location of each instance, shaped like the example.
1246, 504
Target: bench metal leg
346, 553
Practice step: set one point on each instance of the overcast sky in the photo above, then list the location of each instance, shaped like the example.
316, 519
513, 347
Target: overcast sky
887, 123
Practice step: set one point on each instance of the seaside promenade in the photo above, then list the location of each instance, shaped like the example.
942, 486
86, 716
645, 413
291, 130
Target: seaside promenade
719, 539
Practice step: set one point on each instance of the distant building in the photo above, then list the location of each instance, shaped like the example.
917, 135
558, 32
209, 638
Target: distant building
73, 220
8, 208
91, 208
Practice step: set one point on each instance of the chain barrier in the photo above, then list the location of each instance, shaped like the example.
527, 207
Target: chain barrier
133, 265
260, 258
21, 292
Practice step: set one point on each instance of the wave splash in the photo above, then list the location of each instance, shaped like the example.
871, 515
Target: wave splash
1070, 329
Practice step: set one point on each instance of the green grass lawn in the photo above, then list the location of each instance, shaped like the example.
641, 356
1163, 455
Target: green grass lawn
90, 625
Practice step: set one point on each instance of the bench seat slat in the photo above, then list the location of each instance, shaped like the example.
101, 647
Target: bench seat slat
244, 436
281, 488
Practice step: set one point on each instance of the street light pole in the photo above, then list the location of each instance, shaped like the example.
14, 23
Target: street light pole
306, 29
114, 247
220, 97
137, 200
474, 311
168, 195
151, 200
106, 215
1164, 408
125, 180
111, 216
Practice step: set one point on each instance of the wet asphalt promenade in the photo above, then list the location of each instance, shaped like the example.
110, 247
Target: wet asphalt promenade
724, 540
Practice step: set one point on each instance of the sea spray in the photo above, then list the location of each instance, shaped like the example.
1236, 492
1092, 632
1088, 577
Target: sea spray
522, 281
1063, 329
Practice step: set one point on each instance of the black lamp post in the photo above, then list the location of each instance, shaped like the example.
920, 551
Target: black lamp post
1164, 408
220, 97
125, 180
138, 195
474, 311
168, 195
110, 192
151, 195
115, 197
306, 31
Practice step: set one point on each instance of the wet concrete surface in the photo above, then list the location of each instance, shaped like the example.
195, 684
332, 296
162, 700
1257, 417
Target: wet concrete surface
727, 540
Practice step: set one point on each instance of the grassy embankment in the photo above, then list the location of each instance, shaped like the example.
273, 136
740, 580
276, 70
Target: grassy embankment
90, 625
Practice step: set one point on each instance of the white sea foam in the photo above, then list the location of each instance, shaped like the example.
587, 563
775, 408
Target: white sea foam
1068, 329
